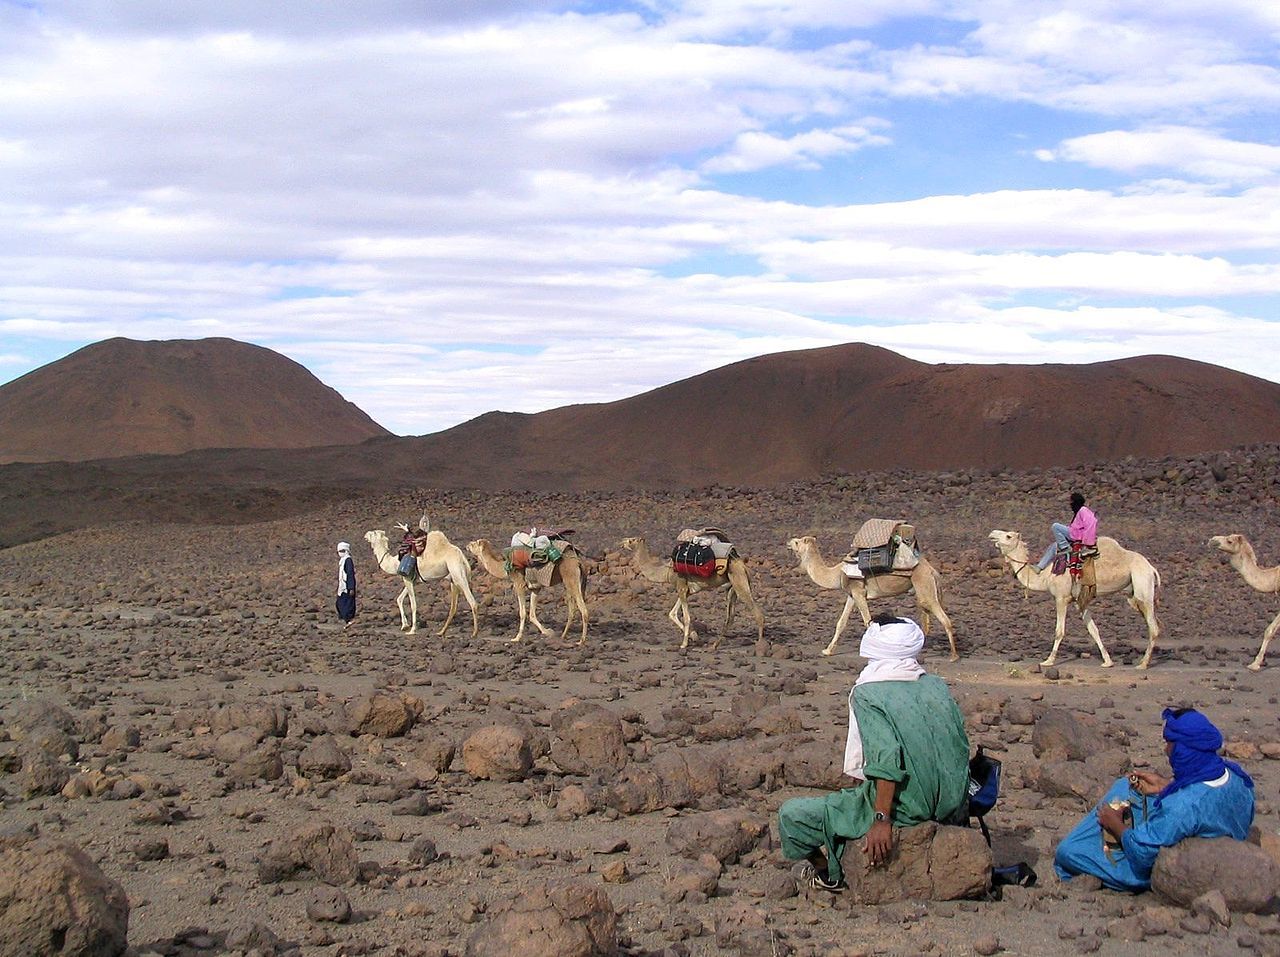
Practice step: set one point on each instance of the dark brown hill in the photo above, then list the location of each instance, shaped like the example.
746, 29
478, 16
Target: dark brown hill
794, 415
122, 397
791, 417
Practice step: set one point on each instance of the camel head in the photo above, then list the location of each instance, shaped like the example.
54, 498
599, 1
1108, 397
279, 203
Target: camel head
373, 537
631, 544
801, 544
1007, 542
478, 547
1231, 544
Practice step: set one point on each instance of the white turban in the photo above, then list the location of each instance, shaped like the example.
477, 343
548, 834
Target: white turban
890, 650
343, 547
893, 641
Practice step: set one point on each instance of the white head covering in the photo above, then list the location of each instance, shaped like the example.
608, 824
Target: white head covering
896, 640
343, 547
890, 650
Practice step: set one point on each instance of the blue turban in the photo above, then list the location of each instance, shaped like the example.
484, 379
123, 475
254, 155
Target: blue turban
1194, 756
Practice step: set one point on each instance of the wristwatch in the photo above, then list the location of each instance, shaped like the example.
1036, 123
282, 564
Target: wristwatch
881, 816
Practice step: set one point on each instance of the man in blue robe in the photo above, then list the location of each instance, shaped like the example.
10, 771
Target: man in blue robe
1206, 797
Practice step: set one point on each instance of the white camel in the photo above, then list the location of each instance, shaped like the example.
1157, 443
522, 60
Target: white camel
568, 571
440, 559
1266, 580
924, 581
735, 576
1116, 568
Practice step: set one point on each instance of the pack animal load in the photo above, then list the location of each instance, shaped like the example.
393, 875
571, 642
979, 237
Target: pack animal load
536, 554
701, 553
882, 546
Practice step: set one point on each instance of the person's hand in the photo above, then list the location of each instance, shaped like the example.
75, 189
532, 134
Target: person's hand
878, 843
1112, 820
1148, 782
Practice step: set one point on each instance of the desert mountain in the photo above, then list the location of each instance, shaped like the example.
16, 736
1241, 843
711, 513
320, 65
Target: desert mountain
122, 397
795, 415
790, 417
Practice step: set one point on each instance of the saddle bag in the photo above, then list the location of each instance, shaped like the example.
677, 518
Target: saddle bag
878, 559
690, 558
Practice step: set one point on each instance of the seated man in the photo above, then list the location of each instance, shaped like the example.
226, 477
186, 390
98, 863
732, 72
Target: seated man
1083, 529
1206, 797
906, 741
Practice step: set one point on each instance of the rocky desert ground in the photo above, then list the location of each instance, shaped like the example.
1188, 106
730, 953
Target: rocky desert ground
180, 702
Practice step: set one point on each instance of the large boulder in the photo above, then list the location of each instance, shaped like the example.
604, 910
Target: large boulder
816, 765
324, 759
383, 715
1245, 874
929, 862
1065, 735
562, 919
271, 719
497, 752
327, 851
588, 739
725, 835
55, 901
42, 774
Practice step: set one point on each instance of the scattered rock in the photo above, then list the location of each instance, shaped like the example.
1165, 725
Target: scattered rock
588, 739
323, 759
497, 752
328, 851
54, 901
725, 835
1246, 876
561, 919
328, 905
929, 862
383, 715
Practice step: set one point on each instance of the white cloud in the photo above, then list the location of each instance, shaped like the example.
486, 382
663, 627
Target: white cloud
1184, 150
424, 201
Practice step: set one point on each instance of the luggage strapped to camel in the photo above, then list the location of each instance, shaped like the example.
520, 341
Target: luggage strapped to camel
537, 554
883, 546
701, 553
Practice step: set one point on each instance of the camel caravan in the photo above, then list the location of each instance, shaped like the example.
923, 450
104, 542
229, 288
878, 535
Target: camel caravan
884, 560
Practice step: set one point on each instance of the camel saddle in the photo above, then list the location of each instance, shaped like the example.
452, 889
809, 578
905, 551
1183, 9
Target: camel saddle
713, 538
538, 574
884, 546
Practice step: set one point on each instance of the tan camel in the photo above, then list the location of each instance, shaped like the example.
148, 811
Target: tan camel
440, 559
1117, 570
735, 576
924, 581
569, 571
1266, 580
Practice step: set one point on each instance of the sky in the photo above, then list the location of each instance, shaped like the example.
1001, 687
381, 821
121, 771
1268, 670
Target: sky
443, 208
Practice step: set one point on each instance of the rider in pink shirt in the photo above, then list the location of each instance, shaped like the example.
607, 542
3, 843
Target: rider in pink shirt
1083, 529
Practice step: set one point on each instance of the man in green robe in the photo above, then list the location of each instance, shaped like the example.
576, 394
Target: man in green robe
907, 744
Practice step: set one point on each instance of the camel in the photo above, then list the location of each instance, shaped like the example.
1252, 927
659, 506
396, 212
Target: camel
441, 558
1266, 580
735, 576
1117, 570
924, 581
569, 571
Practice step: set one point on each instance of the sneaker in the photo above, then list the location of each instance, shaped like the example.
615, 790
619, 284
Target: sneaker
806, 875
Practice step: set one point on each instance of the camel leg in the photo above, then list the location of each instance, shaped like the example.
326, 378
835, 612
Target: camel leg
1059, 629
519, 593
462, 579
1153, 630
857, 599
400, 599
685, 625
740, 585
580, 600
840, 626
453, 608
945, 620
533, 614
1087, 618
728, 612
412, 592
1256, 664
